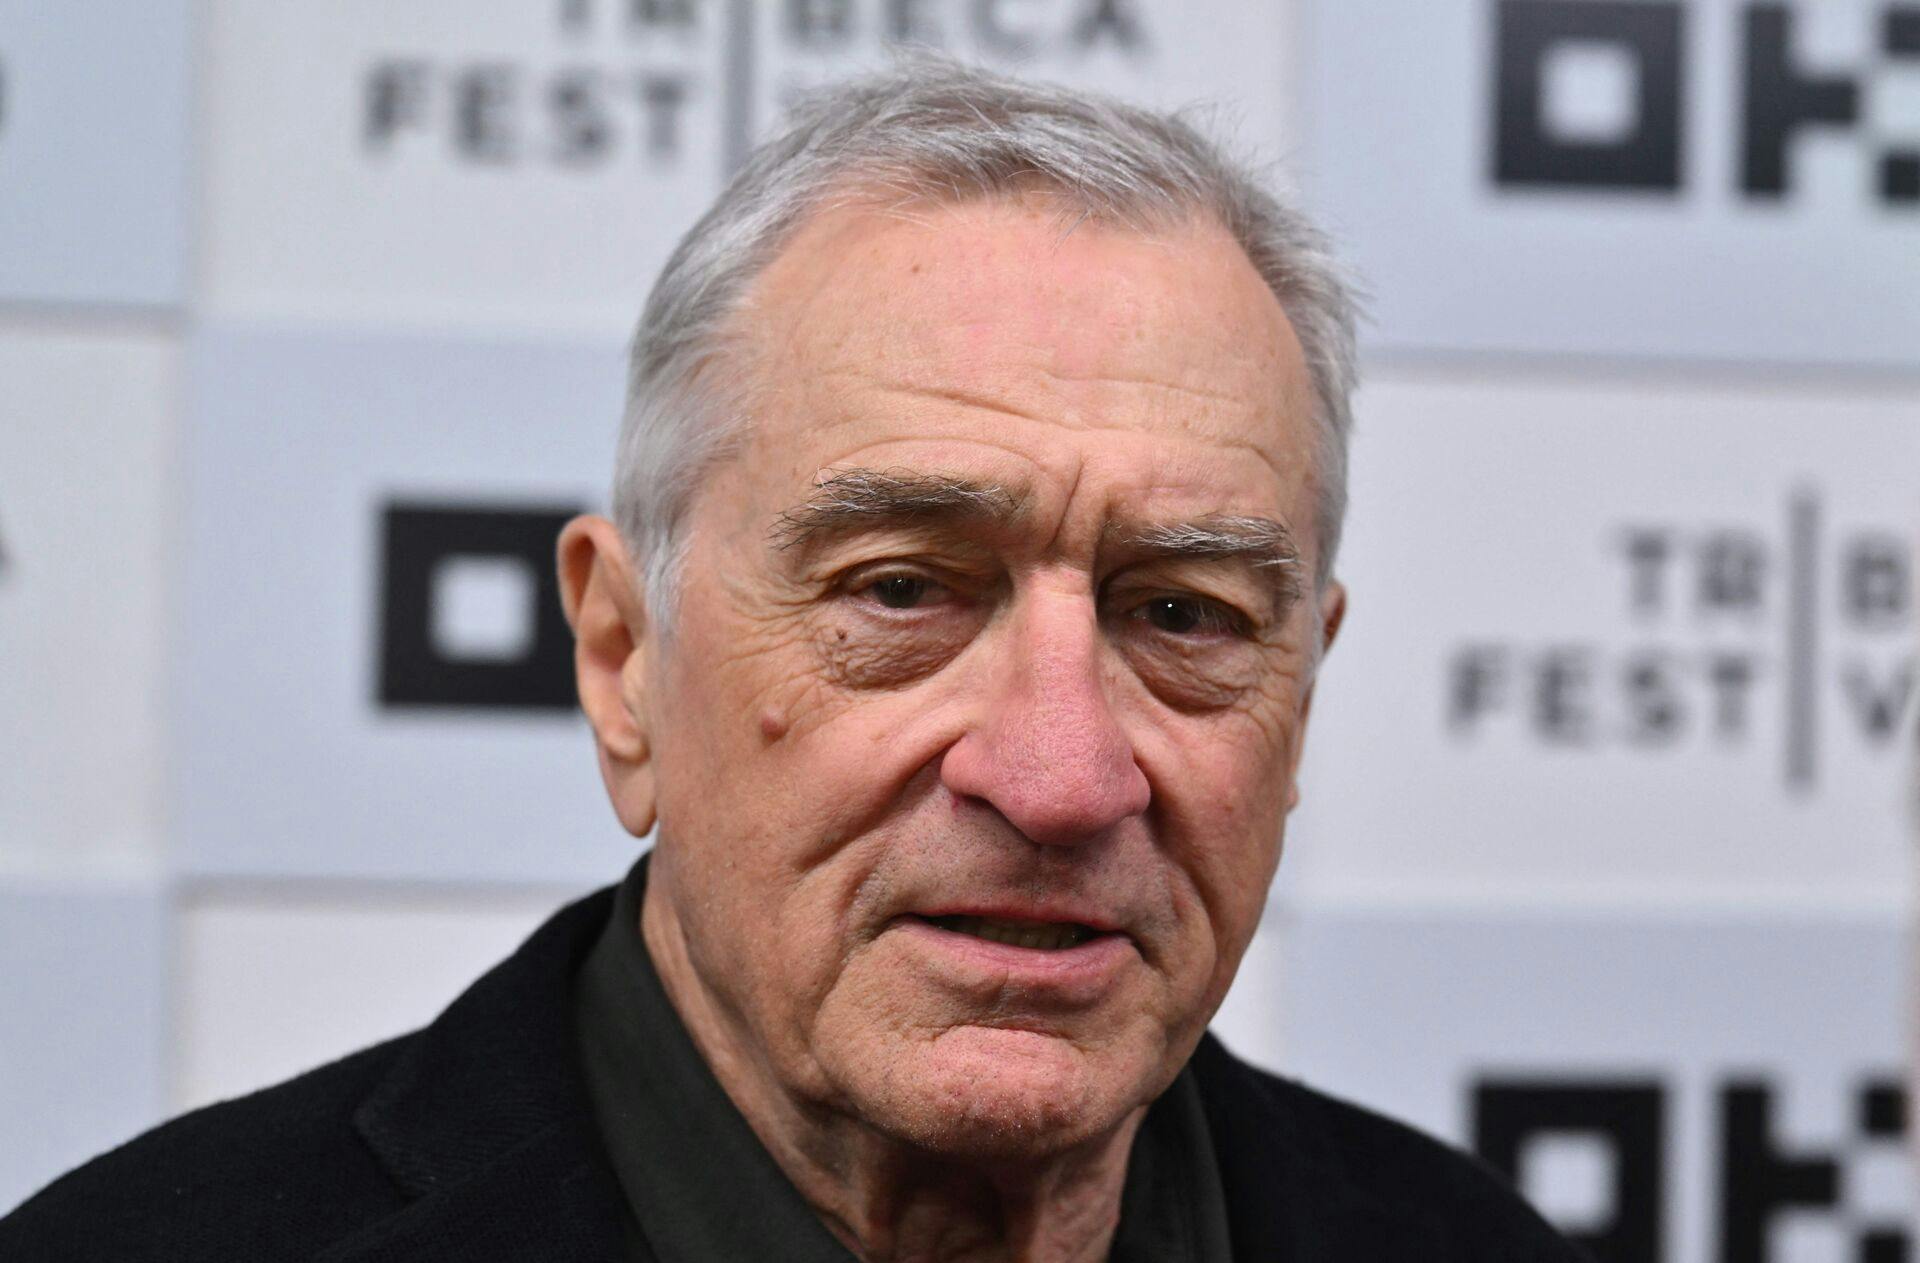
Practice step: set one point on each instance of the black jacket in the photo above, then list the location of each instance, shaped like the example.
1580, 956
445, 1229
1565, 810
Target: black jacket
473, 1140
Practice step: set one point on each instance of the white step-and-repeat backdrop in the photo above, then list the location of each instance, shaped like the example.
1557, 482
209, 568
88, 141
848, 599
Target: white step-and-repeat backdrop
310, 335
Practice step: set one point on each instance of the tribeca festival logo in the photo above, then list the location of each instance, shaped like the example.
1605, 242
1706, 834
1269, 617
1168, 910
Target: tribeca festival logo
626, 78
1597, 94
1741, 636
1594, 1155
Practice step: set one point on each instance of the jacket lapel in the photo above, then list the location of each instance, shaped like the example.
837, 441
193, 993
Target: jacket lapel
1289, 1198
550, 1200
484, 1121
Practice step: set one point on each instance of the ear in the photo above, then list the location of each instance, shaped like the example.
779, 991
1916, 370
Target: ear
611, 653
1332, 612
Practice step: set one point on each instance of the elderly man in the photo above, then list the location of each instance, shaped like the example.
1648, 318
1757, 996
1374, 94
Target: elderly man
955, 636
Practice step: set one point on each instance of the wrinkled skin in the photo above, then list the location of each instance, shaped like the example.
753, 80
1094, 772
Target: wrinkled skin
841, 738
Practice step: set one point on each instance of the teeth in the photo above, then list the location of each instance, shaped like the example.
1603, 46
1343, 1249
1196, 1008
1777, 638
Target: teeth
1046, 938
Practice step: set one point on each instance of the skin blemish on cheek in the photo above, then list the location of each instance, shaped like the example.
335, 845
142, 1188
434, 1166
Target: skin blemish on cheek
773, 724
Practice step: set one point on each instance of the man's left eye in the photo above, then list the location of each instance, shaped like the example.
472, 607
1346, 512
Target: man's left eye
1188, 616
906, 591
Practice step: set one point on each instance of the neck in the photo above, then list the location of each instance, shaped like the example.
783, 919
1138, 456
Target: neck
886, 1201
883, 1197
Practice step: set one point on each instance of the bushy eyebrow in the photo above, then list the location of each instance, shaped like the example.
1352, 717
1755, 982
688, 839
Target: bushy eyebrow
846, 501
1267, 546
849, 500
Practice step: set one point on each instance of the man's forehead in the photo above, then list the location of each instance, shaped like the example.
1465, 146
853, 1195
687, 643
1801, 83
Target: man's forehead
997, 292
990, 323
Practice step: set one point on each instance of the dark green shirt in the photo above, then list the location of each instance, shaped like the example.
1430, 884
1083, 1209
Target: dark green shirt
700, 1186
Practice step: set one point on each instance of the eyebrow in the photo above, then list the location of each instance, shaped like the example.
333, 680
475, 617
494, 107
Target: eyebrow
1263, 544
848, 500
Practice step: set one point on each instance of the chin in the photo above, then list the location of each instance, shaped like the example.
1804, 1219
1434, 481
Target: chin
986, 1094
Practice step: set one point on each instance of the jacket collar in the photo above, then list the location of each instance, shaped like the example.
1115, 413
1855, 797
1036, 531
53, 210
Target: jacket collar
483, 1120
1289, 1193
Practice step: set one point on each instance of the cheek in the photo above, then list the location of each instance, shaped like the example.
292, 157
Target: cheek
861, 654
1199, 677
1233, 817
769, 773
1221, 784
1225, 759
766, 919
730, 688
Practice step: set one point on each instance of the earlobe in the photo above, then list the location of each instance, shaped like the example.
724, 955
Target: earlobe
607, 612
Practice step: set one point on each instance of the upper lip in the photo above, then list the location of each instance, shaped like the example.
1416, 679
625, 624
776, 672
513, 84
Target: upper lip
1028, 913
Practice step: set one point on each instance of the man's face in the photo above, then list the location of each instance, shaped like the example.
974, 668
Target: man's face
976, 731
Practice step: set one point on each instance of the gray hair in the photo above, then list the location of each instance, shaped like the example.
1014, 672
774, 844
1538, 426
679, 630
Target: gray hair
933, 129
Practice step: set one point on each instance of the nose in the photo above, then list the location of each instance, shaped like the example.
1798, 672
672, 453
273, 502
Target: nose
1048, 751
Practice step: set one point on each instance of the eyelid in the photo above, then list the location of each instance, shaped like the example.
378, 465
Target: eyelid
1131, 601
867, 573
1227, 620
881, 545
945, 589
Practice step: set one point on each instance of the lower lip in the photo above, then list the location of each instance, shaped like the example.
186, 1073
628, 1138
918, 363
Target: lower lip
1080, 973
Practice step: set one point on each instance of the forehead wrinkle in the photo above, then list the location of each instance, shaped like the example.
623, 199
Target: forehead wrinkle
1279, 449
977, 398
1143, 381
1023, 362
969, 397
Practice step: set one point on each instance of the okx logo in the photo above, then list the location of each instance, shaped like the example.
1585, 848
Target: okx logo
1602, 94
470, 608
1595, 1155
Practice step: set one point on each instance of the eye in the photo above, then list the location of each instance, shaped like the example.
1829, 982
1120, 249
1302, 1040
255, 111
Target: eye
1189, 616
900, 591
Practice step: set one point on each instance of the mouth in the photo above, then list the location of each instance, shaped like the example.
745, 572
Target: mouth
1057, 964
1044, 936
